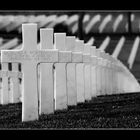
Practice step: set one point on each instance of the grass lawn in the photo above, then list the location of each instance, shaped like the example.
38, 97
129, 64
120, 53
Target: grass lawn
114, 111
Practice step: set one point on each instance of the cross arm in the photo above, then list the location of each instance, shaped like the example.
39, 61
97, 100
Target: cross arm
12, 56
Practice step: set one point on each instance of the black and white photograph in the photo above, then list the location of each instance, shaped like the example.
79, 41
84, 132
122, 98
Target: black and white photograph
69, 69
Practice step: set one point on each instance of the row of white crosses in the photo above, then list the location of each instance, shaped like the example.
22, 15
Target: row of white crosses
91, 23
10, 86
109, 22
119, 46
10, 79
14, 22
114, 23
13, 43
103, 23
61, 72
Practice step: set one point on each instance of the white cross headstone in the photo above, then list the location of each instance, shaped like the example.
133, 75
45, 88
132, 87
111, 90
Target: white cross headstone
109, 75
119, 78
5, 85
80, 73
103, 75
5, 93
87, 71
116, 75
46, 74
71, 73
98, 72
60, 72
29, 56
105, 78
107, 72
93, 71
14, 78
112, 75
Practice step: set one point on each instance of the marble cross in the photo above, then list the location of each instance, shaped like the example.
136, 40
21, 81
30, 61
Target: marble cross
46, 80
60, 71
87, 71
93, 71
80, 72
98, 72
29, 56
71, 73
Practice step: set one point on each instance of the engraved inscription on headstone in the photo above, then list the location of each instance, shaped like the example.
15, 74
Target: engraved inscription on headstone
29, 56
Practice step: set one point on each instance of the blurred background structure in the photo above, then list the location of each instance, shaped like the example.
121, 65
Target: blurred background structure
115, 32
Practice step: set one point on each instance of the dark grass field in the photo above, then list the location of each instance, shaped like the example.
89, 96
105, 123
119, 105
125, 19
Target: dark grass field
114, 111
